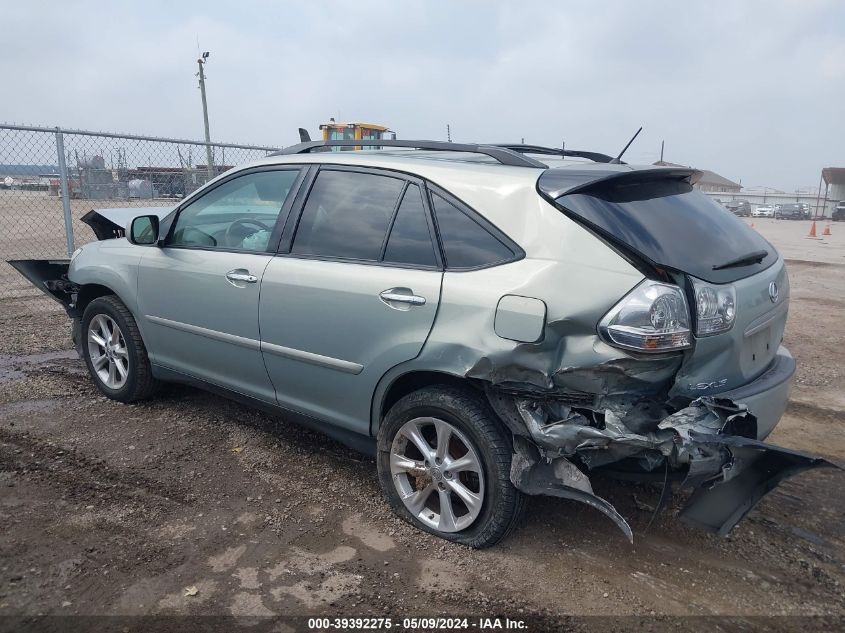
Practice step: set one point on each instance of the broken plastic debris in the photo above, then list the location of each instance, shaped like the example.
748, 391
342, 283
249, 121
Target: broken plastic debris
712, 439
191, 591
535, 475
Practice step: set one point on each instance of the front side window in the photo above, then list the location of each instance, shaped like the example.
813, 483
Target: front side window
347, 215
466, 243
238, 215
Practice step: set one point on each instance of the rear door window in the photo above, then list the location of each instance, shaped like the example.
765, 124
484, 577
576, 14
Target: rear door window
347, 215
410, 239
466, 243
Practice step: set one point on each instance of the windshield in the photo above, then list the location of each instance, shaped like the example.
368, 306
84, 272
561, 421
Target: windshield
670, 224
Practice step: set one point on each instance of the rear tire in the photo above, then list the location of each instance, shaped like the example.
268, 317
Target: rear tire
114, 351
415, 474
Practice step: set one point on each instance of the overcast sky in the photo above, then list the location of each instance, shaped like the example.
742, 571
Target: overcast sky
752, 90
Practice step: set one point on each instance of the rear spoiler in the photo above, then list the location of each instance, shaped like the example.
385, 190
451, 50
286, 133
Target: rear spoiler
555, 183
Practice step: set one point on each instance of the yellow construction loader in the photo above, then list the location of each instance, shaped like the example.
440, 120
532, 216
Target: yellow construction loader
334, 131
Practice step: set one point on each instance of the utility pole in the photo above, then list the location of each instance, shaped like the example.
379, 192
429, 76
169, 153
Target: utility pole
819, 195
448, 133
201, 62
661, 151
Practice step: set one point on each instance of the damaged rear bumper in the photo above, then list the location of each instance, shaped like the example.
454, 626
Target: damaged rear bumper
713, 446
753, 469
767, 396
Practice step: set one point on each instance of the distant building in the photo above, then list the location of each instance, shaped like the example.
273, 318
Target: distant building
834, 181
710, 182
25, 177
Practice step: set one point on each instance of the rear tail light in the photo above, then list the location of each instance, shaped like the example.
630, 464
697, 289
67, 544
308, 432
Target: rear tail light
715, 308
653, 317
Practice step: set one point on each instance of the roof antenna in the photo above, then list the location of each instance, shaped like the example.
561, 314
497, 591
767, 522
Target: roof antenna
618, 159
304, 136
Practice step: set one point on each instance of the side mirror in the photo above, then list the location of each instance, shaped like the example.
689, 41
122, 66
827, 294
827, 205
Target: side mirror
143, 231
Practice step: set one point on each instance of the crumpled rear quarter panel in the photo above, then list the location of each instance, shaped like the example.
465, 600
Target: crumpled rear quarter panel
576, 275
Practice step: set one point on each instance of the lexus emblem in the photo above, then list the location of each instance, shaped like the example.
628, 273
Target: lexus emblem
773, 292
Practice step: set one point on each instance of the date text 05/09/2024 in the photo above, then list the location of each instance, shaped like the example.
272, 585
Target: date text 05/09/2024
417, 624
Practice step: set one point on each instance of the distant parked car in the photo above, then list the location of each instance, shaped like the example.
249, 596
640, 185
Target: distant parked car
763, 211
792, 211
739, 207
839, 212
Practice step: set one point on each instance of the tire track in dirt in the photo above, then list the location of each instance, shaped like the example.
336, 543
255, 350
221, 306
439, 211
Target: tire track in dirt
78, 474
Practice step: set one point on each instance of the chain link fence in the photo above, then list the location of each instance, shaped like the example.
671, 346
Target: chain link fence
50, 178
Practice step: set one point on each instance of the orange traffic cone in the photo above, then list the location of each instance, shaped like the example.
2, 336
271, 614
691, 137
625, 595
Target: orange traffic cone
813, 230
827, 230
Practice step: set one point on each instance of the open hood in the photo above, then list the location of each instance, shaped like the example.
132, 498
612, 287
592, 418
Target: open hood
111, 223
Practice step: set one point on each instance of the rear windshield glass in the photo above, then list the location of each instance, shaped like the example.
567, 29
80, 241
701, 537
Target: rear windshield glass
672, 225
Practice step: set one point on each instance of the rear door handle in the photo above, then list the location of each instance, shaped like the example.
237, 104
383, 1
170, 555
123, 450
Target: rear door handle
239, 277
403, 296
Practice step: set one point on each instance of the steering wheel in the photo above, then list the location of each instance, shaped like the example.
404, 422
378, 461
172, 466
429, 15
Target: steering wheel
243, 222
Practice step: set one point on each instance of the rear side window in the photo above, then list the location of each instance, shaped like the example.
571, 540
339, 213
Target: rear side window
410, 240
466, 243
347, 215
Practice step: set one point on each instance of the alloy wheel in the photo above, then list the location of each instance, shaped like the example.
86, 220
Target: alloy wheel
437, 473
108, 352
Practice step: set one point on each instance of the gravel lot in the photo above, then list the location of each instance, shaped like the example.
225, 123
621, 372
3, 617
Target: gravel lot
190, 504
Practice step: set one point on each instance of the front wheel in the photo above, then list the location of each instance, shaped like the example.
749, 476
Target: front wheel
444, 466
114, 351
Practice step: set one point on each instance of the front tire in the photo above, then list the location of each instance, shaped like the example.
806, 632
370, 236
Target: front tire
444, 466
114, 351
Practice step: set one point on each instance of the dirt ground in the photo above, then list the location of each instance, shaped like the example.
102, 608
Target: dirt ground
191, 504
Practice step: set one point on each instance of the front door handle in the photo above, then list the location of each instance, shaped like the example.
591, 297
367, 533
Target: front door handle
240, 277
404, 297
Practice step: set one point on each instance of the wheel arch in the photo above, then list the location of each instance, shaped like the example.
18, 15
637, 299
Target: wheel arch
88, 292
397, 384
91, 291
138, 381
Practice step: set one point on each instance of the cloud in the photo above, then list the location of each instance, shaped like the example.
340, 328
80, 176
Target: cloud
751, 90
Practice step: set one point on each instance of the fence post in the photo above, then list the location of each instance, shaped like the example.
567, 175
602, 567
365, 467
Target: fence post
65, 190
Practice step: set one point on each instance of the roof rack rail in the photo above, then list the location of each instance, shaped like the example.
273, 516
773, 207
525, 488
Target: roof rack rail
505, 155
596, 157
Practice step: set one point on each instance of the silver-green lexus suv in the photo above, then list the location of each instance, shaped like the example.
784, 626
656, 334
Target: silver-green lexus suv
489, 321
